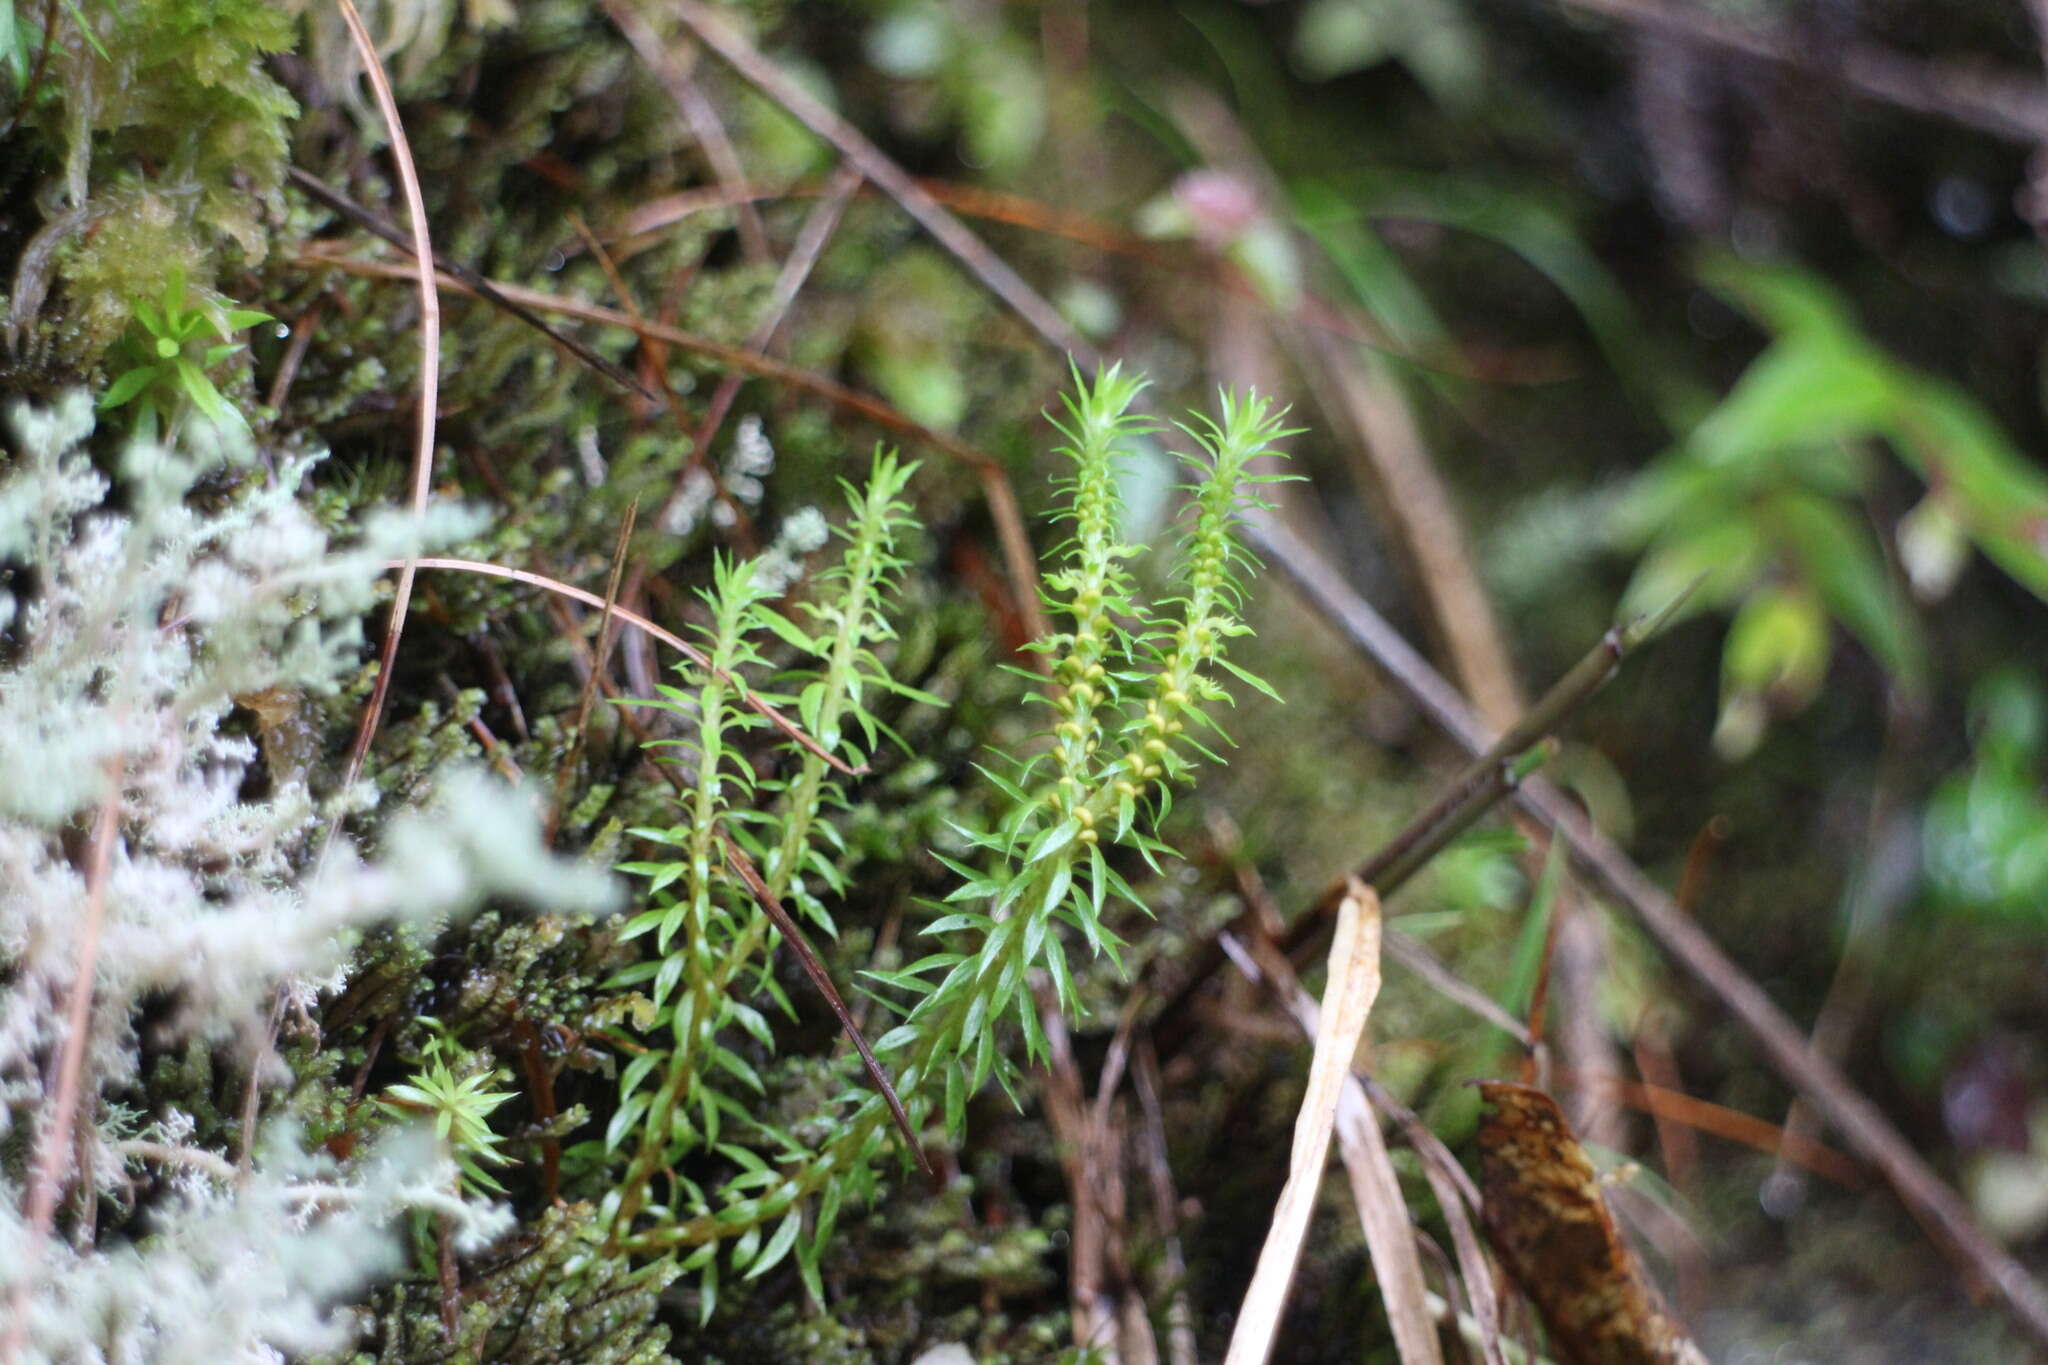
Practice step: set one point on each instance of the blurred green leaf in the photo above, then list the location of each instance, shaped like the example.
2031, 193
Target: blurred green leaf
1777, 644
1840, 558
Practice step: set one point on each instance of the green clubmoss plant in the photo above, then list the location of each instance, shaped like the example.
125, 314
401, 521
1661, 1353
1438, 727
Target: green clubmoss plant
1128, 689
708, 932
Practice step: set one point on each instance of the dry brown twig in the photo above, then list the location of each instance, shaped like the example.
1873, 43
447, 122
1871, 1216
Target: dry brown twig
493, 751
2007, 106
807, 957
796, 270
483, 288
1019, 561
675, 77
588, 696
1392, 462
1262, 919
1180, 1318
638, 230
1080, 1154
1609, 868
714, 31
697, 454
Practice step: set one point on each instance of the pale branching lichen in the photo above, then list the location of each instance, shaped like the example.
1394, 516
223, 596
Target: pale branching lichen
143, 609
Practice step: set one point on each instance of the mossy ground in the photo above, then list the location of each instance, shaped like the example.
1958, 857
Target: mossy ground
162, 137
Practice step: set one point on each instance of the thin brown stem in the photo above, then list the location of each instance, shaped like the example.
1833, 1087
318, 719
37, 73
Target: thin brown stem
796, 270
294, 356
2006, 106
640, 623
807, 956
1474, 791
699, 117
657, 366
46, 1182
422, 249
477, 284
566, 771
993, 271
1180, 1318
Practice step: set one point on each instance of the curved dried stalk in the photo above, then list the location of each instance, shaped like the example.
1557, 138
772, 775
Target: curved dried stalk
640, 623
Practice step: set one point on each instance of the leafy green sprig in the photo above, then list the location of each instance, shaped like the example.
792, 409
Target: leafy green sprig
846, 621
1129, 678
710, 931
1134, 674
170, 349
455, 1097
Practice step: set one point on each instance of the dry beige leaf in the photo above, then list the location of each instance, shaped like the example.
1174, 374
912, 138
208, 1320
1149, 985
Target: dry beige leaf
1347, 1000
1376, 1192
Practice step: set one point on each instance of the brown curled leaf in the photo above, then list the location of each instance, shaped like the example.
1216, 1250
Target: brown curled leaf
1551, 1228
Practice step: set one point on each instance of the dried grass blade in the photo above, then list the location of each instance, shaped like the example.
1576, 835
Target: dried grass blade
1376, 1191
1354, 984
1457, 1197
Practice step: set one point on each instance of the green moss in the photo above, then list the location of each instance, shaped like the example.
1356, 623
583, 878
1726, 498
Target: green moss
170, 138
542, 1299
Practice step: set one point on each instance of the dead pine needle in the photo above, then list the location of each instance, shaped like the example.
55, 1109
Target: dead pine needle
430, 374
1347, 1000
